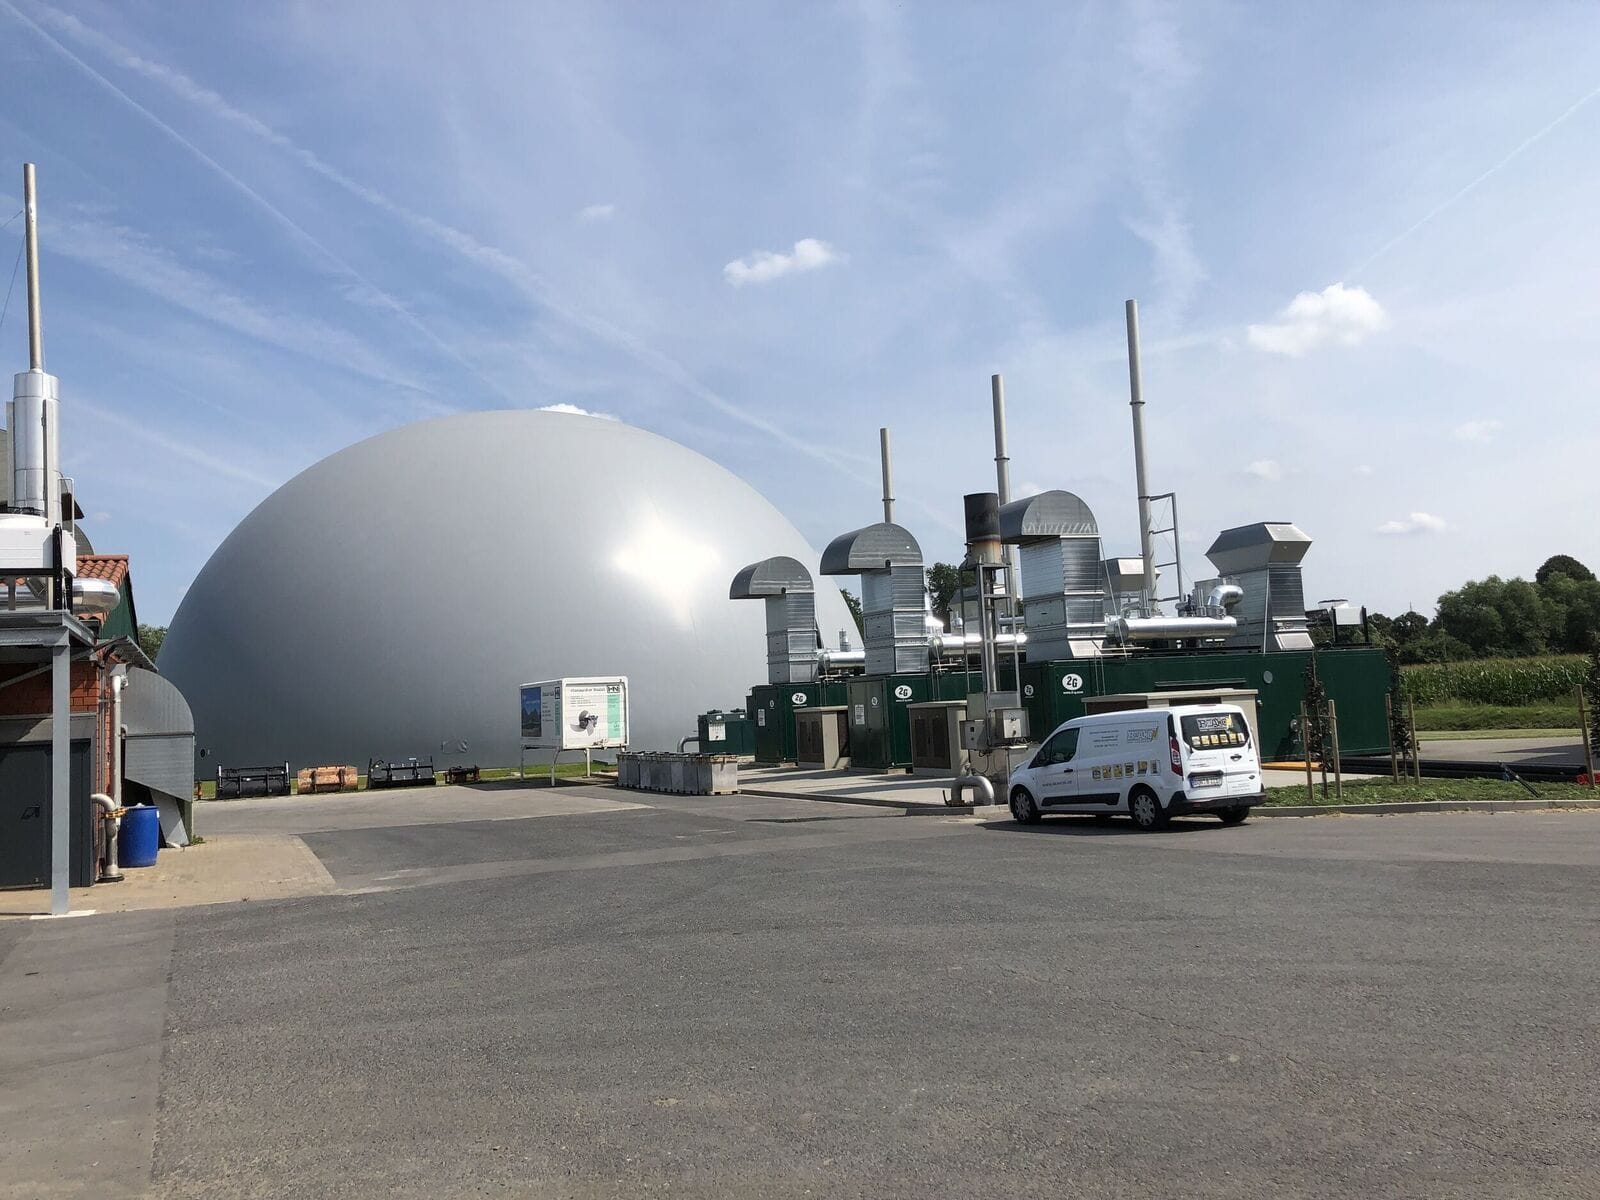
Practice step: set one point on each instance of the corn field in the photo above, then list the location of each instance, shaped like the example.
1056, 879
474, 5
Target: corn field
1505, 681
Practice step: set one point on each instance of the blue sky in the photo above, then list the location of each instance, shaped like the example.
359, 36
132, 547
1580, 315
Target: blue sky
1362, 237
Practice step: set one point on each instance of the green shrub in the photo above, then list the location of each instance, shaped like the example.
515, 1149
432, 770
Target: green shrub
1502, 681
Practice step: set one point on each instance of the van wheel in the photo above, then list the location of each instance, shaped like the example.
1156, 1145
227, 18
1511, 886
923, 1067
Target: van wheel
1145, 809
1023, 808
1234, 816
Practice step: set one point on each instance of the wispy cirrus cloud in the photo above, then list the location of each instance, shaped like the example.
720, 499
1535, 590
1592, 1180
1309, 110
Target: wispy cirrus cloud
763, 266
1337, 315
597, 212
484, 255
139, 262
66, 23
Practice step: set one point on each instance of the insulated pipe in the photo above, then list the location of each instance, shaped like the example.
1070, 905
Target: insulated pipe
1160, 629
954, 645
108, 809
682, 742
1136, 389
119, 680
1224, 596
833, 660
888, 476
978, 783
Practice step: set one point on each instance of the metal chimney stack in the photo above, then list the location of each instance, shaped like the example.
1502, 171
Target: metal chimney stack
888, 476
32, 414
1136, 389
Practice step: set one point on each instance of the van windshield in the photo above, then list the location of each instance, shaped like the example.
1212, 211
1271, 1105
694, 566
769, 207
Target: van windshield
1209, 730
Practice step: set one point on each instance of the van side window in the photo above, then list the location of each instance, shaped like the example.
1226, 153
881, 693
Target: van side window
1058, 749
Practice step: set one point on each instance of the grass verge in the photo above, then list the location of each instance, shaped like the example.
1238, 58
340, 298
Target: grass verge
1478, 735
1383, 791
1496, 716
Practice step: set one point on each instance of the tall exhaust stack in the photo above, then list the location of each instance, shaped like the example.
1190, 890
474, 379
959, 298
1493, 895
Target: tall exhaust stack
888, 476
1136, 388
32, 418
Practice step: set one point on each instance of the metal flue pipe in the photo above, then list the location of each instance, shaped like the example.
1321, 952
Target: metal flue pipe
1002, 461
30, 224
1002, 478
888, 475
1136, 388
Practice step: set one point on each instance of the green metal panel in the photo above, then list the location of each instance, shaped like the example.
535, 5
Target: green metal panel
869, 741
121, 621
737, 728
880, 718
1356, 678
772, 706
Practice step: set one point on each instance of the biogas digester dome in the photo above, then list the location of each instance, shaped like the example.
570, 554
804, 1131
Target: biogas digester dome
388, 601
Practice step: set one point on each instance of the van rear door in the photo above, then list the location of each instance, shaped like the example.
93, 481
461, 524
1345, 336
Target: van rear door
1219, 758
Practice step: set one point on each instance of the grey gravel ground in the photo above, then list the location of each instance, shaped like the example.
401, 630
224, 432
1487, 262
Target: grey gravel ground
775, 998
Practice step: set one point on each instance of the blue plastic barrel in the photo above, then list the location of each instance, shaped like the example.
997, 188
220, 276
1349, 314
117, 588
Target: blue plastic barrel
139, 837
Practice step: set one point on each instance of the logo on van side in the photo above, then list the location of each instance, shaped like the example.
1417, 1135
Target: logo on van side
1072, 683
1141, 735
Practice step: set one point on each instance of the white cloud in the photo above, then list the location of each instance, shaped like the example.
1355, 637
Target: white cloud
597, 212
763, 266
1337, 315
1363, 469
1477, 431
1265, 468
575, 411
1417, 522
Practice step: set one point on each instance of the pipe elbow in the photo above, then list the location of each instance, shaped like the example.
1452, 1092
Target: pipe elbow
1225, 595
979, 784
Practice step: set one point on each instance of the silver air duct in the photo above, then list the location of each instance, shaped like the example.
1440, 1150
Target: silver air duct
893, 590
1062, 578
785, 585
1263, 562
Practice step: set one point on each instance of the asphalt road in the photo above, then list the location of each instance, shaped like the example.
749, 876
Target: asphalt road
1544, 752
781, 998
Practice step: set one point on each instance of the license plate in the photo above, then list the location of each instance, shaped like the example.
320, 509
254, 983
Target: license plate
1202, 779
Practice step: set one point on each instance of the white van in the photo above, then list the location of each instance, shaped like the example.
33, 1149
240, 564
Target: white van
1151, 763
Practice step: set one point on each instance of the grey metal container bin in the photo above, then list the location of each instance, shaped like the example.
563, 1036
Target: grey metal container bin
680, 774
721, 774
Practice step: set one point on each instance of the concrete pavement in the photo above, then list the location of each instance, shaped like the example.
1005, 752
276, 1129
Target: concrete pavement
745, 996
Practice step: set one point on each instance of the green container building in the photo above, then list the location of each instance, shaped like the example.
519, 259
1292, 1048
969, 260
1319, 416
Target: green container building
1355, 677
737, 731
880, 714
772, 705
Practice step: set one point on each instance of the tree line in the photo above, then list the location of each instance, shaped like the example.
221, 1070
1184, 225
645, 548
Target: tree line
1557, 612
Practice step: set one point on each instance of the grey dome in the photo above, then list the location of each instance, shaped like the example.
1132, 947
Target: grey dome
389, 600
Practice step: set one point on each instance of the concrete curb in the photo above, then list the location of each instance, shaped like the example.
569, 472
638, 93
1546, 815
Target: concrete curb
911, 808
1419, 806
